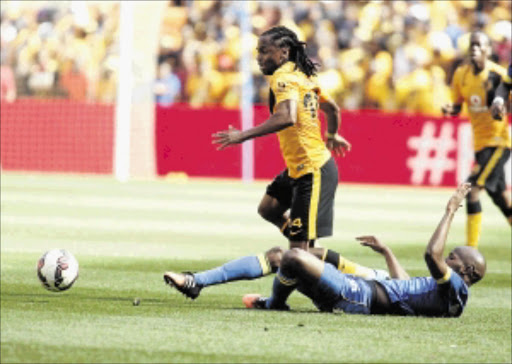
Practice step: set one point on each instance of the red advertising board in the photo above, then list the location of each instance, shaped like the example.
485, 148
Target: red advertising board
183, 139
57, 136
390, 148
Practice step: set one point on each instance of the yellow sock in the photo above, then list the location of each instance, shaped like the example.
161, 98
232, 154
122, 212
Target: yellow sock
349, 267
266, 269
473, 229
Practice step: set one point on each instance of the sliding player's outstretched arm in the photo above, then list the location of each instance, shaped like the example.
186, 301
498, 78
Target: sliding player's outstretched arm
395, 269
334, 142
435, 248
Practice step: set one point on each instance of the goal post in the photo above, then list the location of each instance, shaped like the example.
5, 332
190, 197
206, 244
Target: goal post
134, 144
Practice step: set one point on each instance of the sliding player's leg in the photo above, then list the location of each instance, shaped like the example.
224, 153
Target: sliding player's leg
322, 283
298, 267
347, 266
249, 267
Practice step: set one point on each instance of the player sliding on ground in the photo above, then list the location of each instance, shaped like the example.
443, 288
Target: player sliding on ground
257, 266
443, 294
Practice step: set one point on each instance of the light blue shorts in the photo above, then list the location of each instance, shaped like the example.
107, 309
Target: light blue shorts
337, 291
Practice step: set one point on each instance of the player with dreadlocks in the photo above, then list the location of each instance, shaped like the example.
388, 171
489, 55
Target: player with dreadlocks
300, 200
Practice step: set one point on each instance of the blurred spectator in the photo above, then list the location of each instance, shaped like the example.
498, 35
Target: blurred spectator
61, 49
372, 54
73, 81
167, 86
7, 82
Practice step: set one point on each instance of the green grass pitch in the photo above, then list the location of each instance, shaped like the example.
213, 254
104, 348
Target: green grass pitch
126, 235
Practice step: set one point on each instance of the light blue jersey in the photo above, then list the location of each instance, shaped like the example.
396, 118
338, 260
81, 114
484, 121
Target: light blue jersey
420, 296
423, 296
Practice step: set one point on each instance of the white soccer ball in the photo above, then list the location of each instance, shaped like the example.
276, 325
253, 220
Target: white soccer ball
57, 270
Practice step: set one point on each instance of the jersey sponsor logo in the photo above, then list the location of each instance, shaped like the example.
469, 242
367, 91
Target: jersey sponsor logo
281, 86
475, 104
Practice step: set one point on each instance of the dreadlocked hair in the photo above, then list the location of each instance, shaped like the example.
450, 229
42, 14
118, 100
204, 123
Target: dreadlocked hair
284, 37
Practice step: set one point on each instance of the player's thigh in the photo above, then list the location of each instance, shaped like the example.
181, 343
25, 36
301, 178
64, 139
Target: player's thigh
278, 196
338, 291
328, 186
270, 207
489, 169
312, 207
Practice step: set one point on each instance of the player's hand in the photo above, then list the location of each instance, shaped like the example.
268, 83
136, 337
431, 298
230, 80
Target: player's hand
226, 138
338, 145
448, 109
455, 201
372, 242
498, 108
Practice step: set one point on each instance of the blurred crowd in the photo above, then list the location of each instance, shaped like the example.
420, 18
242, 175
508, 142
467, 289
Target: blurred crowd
372, 54
59, 49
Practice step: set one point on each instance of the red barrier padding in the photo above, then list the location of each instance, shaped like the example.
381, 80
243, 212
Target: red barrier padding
184, 141
57, 136
389, 148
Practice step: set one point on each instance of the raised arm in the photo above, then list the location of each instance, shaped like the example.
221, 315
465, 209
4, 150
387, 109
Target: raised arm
435, 248
395, 269
285, 115
334, 141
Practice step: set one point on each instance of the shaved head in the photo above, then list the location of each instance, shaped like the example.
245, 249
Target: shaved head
482, 37
479, 49
473, 263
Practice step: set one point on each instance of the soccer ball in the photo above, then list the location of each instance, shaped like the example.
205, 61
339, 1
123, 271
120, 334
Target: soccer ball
57, 270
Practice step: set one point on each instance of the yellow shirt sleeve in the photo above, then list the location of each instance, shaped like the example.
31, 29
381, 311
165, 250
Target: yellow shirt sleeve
457, 97
446, 277
285, 87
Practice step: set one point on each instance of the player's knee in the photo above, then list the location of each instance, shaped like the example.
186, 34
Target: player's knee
499, 199
473, 194
293, 258
274, 257
264, 210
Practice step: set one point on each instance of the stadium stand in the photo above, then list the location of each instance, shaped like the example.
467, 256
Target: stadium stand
374, 54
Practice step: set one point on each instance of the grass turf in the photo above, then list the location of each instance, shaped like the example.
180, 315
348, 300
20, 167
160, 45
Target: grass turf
126, 235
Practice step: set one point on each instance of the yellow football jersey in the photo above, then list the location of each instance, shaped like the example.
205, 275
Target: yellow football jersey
302, 146
478, 93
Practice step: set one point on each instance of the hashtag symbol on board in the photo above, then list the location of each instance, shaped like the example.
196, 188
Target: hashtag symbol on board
432, 153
